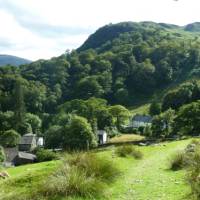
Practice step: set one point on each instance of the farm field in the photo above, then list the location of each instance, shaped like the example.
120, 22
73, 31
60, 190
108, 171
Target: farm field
126, 138
144, 179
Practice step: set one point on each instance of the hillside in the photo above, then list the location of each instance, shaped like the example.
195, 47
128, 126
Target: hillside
12, 60
133, 60
112, 31
194, 27
128, 63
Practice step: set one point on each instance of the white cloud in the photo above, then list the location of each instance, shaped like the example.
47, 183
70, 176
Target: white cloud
41, 29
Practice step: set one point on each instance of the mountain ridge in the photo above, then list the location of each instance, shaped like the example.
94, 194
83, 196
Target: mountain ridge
6, 59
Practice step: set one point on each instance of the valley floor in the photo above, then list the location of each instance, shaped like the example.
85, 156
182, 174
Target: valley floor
146, 179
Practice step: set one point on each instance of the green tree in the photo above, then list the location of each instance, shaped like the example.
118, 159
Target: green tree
186, 93
24, 128
54, 137
9, 138
89, 87
19, 103
187, 120
7, 120
120, 114
155, 108
78, 134
104, 118
162, 125
34, 121
62, 118
95, 110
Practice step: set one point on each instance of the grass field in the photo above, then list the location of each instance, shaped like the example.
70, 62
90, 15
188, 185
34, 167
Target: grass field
126, 138
144, 109
146, 179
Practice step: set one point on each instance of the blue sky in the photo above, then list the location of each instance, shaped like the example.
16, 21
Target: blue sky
37, 29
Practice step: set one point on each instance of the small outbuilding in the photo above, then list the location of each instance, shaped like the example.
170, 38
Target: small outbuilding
15, 157
102, 136
24, 158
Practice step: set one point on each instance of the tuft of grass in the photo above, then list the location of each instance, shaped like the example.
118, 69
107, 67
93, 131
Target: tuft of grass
71, 181
193, 174
195, 141
177, 161
99, 167
83, 174
128, 150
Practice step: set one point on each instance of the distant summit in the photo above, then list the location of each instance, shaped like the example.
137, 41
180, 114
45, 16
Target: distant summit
12, 60
194, 27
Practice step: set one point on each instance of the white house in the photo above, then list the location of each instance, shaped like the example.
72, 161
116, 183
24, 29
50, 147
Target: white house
140, 121
29, 142
102, 136
40, 141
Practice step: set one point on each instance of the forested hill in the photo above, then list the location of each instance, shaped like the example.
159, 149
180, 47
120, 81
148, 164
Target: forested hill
123, 63
109, 32
12, 60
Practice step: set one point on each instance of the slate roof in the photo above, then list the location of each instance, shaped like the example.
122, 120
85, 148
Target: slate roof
27, 156
142, 118
27, 139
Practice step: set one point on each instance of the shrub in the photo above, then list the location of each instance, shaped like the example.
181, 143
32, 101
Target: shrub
112, 131
128, 150
195, 141
177, 161
137, 154
141, 130
45, 155
193, 175
147, 131
83, 174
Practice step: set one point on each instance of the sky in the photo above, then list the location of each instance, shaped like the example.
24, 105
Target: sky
41, 29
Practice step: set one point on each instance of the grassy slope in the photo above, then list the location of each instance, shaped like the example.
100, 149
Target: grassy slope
141, 180
150, 177
144, 109
24, 178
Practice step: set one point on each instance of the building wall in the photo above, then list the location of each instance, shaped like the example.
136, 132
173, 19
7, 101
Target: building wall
104, 138
137, 124
34, 144
25, 147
